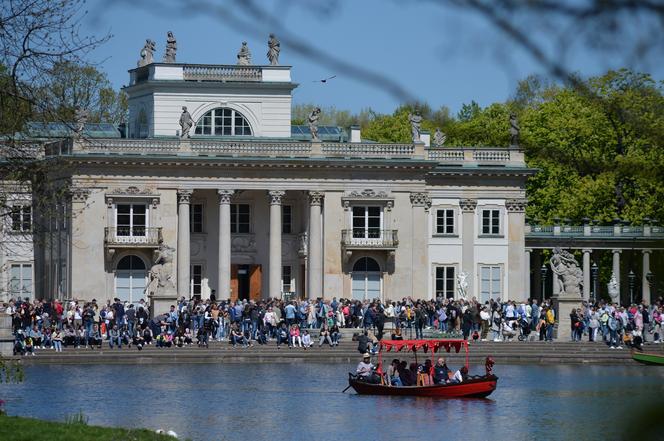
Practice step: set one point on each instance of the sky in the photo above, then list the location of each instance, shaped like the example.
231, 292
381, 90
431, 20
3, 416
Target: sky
441, 55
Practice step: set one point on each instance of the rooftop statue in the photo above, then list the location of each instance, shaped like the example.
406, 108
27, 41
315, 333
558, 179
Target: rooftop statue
81, 117
415, 125
171, 48
147, 53
439, 138
244, 55
614, 289
274, 47
515, 130
186, 123
568, 277
314, 116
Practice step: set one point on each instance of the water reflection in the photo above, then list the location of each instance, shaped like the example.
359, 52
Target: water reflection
304, 402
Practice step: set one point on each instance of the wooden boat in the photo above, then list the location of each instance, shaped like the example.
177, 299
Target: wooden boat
477, 386
646, 358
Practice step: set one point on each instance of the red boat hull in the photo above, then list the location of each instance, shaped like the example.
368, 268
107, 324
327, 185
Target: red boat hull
472, 388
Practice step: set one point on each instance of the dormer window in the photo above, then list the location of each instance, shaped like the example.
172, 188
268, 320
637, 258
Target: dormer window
223, 122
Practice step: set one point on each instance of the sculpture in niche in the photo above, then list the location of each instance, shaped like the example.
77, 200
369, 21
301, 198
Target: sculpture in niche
244, 55
186, 123
568, 277
439, 138
147, 53
171, 48
614, 289
415, 120
314, 116
274, 47
160, 282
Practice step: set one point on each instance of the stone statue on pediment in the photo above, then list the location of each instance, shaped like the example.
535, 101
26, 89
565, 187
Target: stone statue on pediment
439, 138
171, 48
274, 47
568, 277
244, 55
462, 284
415, 120
614, 289
314, 116
147, 53
515, 130
160, 282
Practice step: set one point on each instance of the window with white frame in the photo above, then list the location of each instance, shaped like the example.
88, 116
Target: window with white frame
491, 222
286, 278
20, 282
445, 281
131, 220
240, 218
196, 280
490, 282
367, 222
286, 219
223, 122
21, 216
445, 221
196, 218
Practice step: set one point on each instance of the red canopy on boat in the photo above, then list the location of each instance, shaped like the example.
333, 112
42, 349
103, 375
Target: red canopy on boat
424, 345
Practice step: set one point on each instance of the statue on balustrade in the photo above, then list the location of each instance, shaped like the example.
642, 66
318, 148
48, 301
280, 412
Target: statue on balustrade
314, 116
244, 55
274, 47
568, 277
147, 53
171, 48
186, 123
415, 120
439, 138
161, 274
614, 289
515, 130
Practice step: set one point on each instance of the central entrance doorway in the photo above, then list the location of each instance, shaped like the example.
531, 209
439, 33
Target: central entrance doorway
366, 279
245, 282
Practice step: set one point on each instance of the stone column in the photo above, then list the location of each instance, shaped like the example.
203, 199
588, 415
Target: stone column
645, 290
224, 261
616, 266
526, 272
516, 242
586, 274
274, 279
315, 253
421, 203
183, 251
468, 243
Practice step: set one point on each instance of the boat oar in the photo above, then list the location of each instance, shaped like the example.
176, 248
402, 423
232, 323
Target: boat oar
346, 389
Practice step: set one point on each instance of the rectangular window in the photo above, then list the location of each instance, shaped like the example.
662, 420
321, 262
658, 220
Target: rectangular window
131, 220
445, 221
445, 281
286, 219
286, 277
491, 222
20, 283
21, 216
490, 283
240, 220
196, 218
196, 280
367, 222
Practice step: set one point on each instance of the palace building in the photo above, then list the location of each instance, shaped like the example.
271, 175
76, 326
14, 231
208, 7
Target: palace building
252, 207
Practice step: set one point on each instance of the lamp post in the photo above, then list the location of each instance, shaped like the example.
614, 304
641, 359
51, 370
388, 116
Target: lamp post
543, 271
632, 281
594, 271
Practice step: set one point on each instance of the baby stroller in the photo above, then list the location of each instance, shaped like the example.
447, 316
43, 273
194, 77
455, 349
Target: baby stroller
524, 329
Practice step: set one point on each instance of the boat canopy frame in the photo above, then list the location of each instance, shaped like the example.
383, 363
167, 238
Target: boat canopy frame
433, 346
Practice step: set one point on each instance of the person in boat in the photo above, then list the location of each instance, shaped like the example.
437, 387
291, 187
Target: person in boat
424, 373
441, 373
412, 374
404, 374
460, 376
393, 378
365, 369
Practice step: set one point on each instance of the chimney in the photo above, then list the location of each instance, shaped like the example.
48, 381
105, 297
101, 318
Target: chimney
355, 134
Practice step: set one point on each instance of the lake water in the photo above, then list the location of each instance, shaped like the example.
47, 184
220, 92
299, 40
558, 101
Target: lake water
304, 402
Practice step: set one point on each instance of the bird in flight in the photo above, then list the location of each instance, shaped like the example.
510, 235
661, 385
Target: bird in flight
324, 80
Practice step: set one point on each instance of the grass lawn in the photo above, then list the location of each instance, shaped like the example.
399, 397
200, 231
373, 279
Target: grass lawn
28, 429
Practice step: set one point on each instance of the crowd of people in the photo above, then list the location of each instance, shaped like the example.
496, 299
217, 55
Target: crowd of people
306, 323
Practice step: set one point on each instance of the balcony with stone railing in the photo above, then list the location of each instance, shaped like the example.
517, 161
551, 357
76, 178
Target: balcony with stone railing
132, 237
209, 73
360, 239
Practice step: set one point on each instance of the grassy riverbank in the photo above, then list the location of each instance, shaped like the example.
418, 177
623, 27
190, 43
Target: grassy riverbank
29, 429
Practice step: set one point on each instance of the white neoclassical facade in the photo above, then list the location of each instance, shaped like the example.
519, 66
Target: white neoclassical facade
16, 250
253, 208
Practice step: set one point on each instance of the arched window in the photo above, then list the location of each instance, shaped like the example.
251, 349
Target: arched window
366, 279
223, 122
130, 279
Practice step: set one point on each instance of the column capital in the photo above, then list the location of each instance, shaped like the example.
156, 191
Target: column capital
274, 196
316, 197
420, 199
586, 250
616, 251
646, 251
528, 250
468, 205
225, 196
79, 194
516, 205
184, 196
